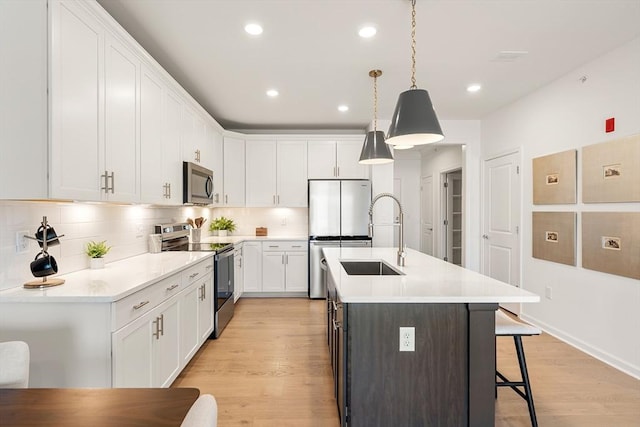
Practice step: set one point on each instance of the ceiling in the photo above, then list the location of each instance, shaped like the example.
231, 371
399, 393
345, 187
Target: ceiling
311, 53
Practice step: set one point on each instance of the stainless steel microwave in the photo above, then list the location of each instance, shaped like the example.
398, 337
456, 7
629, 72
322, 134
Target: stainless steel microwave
197, 184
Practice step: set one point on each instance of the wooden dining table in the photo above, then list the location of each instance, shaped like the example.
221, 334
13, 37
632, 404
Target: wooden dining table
95, 407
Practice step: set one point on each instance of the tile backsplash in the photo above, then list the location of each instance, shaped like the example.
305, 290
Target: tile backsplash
124, 227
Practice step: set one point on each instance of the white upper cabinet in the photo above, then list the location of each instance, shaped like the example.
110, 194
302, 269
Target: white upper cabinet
261, 173
234, 167
215, 144
336, 160
122, 148
195, 145
77, 79
160, 118
292, 174
95, 151
276, 173
23, 100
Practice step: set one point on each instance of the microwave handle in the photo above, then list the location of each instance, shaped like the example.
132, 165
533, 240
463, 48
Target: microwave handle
208, 187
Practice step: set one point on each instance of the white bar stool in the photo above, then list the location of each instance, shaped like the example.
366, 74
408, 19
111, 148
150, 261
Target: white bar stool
14, 364
506, 326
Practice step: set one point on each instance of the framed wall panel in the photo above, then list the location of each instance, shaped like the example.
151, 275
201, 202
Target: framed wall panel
611, 171
554, 236
611, 242
554, 178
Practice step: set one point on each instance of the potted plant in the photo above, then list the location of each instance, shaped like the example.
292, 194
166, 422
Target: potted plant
96, 251
222, 225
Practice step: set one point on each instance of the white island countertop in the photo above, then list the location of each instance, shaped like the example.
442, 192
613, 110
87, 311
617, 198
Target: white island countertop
426, 280
113, 282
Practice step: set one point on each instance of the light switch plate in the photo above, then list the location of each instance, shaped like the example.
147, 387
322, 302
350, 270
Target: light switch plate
22, 243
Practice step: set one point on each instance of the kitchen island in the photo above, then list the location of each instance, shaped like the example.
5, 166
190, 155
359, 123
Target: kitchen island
447, 376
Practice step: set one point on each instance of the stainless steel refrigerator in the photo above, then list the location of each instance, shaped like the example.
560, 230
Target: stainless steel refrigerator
338, 217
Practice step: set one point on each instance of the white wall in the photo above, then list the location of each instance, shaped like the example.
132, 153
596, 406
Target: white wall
594, 311
407, 171
436, 161
125, 228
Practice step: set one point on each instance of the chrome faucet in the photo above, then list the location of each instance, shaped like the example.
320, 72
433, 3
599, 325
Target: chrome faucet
401, 252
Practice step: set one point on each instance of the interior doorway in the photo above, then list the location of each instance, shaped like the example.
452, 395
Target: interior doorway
453, 217
426, 216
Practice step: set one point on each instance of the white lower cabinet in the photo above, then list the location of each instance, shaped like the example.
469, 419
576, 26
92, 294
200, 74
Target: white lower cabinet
146, 351
284, 266
252, 266
238, 272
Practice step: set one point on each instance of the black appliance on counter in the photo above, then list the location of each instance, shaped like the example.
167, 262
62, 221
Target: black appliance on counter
175, 237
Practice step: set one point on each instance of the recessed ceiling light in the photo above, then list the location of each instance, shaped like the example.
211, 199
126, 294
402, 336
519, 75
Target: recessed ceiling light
474, 87
343, 108
367, 32
253, 29
272, 93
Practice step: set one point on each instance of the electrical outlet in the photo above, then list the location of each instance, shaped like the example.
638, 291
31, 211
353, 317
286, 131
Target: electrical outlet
139, 230
548, 292
284, 220
22, 243
407, 338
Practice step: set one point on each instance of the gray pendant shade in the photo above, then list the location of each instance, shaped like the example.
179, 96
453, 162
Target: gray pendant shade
414, 121
375, 150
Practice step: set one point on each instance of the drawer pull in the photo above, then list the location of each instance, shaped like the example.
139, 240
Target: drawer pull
142, 304
274, 246
193, 275
209, 266
172, 287
296, 246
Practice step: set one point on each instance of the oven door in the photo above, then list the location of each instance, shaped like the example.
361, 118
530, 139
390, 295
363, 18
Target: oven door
223, 289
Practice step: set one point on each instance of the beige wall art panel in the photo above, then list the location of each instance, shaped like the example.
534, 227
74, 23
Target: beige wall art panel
611, 242
554, 236
611, 171
554, 178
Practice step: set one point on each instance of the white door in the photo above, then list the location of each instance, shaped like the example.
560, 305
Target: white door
501, 240
426, 218
273, 271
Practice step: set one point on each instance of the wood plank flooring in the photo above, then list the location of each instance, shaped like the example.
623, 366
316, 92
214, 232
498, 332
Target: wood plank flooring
271, 368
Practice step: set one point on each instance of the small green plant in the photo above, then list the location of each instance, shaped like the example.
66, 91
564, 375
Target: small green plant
97, 249
222, 223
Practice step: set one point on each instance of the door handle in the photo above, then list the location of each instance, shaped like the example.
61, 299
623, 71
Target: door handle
484, 236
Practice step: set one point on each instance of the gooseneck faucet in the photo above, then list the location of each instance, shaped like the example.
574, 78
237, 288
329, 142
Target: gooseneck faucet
401, 252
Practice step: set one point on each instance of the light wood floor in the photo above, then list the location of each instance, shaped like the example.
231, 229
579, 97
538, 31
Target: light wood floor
271, 368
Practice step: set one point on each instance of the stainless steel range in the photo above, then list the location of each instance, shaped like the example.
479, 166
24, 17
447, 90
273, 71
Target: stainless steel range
175, 237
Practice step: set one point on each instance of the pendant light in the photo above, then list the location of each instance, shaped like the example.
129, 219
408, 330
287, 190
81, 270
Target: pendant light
375, 151
414, 121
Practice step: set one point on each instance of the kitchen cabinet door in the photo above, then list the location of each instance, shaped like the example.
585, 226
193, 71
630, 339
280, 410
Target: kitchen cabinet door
238, 272
347, 157
234, 177
292, 174
77, 103
214, 140
252, 259
122, 148
171, 159
321, 162
189, 336
273, 271
166, 346
261, 174
296, 271
205, 307
132, 352
152, 187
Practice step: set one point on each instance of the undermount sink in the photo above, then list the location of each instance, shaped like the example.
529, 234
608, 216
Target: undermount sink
369, 268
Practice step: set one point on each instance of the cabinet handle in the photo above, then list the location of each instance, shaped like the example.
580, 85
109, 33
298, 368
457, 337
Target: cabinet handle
274, 246
226, 199
198, 156
296, 246
142, 304
338, 171
240, 261
209, 266
161, 331
334, 171
156, 334
336, 305
286, 258
336, 325
169, 186
106, 181
278, 199
274, 199
172, 287
193, 275
112, 176
217, 197
283, 258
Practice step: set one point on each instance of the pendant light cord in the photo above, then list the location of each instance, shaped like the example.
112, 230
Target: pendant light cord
413, 44
375, 102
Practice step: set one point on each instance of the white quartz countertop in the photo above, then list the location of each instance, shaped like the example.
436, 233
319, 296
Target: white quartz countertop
426, 280
113, 282
238, 239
